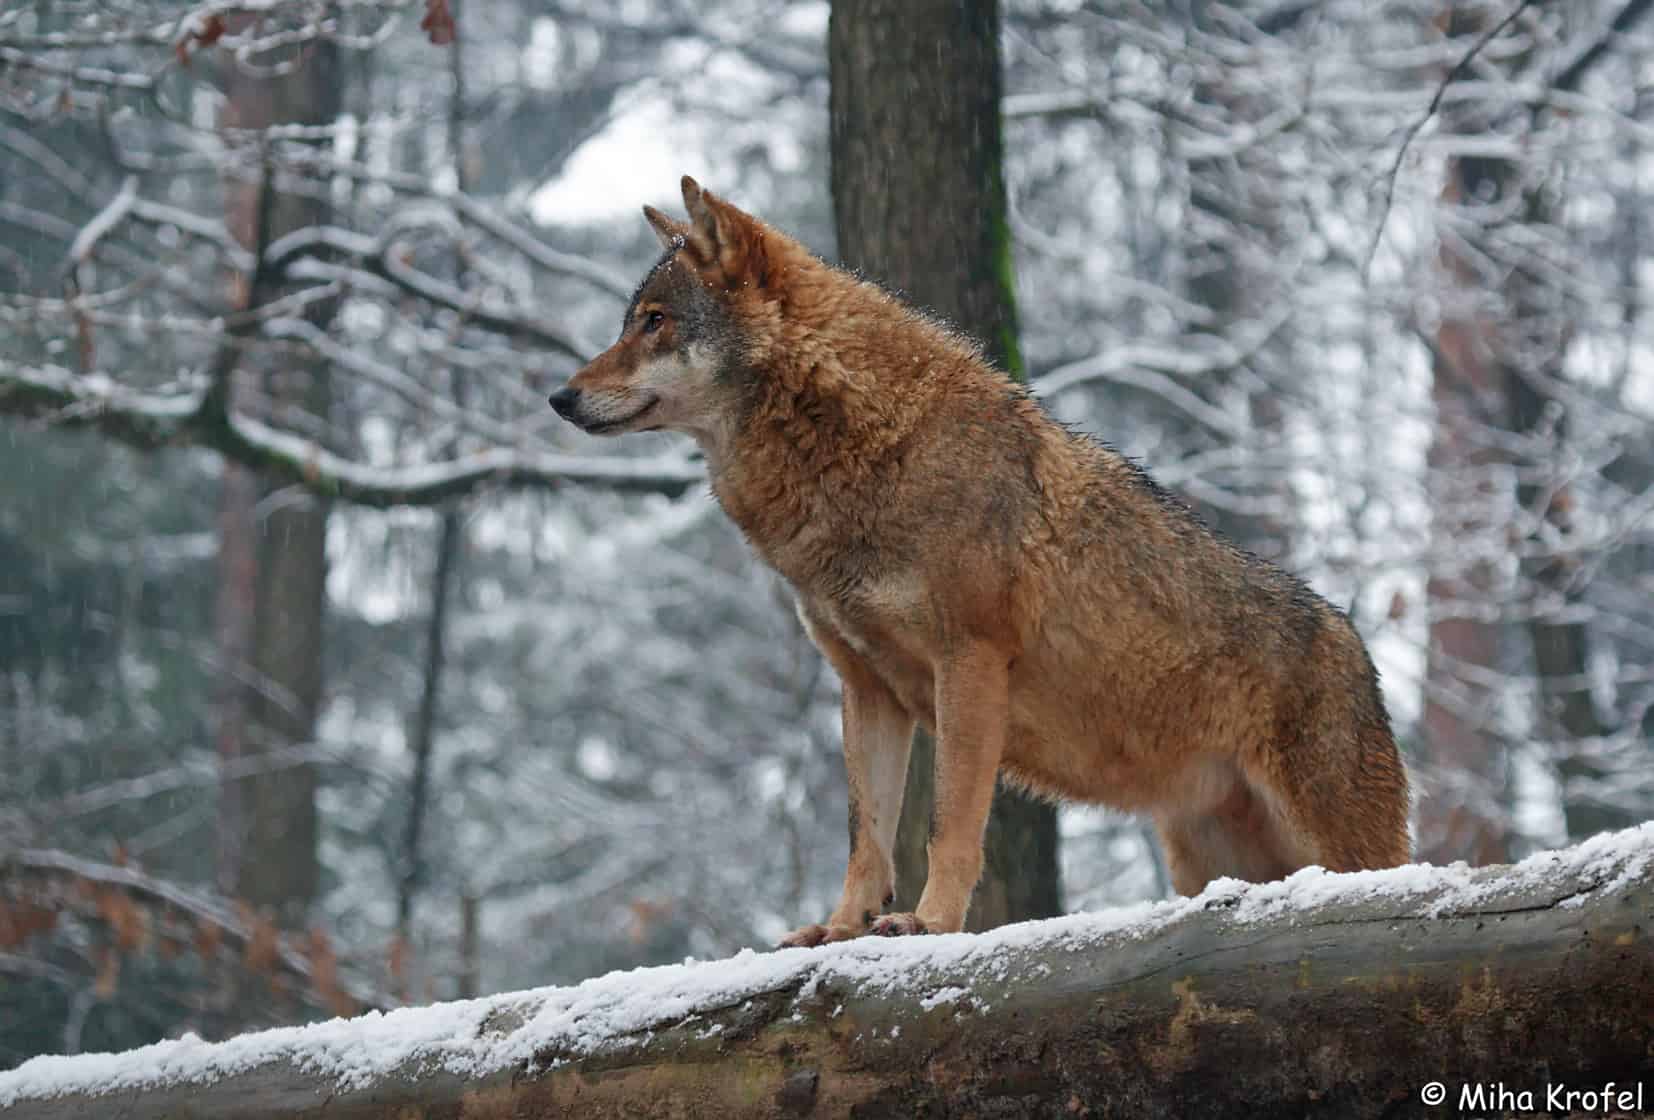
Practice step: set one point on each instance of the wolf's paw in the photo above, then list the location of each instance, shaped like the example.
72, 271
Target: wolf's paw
897, 925
808, 937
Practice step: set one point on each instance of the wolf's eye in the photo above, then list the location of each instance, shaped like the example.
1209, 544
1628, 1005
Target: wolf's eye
652, 322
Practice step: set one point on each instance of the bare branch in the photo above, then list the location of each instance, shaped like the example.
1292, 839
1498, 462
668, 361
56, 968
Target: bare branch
381, 257
1430, 111
85, 75
153, 421
1571, 75
201, 774
471, 210
103, 222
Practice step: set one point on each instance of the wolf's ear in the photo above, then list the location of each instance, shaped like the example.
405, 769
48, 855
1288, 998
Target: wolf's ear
672, 234
723, 239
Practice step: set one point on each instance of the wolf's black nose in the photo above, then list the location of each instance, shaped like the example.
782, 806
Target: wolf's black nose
563, 401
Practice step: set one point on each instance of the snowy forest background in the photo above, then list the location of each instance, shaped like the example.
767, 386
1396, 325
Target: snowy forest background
336, 672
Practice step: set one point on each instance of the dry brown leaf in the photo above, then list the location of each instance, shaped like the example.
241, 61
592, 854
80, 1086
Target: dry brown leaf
438, 22
123, 917
169, 945
20, 921
109, 972
209, 935
401, 955
83, 338
1398, 606
262, 945
209, 32
646, 914
324, 973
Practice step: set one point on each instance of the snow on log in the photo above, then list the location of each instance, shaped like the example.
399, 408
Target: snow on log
1343, 995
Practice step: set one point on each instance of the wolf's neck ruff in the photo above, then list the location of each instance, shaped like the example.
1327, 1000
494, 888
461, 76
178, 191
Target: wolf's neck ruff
825, 421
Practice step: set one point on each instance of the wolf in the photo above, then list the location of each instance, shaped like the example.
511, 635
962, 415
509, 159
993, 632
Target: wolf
1029, 596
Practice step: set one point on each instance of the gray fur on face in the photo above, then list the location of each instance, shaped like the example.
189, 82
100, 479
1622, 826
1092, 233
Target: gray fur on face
702, 321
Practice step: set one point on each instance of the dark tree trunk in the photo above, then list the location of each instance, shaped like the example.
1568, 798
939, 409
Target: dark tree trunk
1461, 814
279, 868
1497, 365
919, 200
1464, 808
274, 817
449, 552
234, 609
1567, 718
450, 539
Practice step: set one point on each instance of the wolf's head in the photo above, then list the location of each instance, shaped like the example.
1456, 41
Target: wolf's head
680, 355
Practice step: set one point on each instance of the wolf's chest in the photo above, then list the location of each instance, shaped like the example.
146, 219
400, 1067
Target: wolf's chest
889, 623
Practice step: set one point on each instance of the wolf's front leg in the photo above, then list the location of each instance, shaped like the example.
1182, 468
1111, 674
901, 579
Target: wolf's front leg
877, 738
972, 715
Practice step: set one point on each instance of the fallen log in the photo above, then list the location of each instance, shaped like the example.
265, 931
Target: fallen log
1337, 995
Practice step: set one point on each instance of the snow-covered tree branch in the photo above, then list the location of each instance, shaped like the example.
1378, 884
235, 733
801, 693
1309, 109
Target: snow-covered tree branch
153, 421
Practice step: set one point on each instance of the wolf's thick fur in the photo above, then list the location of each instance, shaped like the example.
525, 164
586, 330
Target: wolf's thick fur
1027, 595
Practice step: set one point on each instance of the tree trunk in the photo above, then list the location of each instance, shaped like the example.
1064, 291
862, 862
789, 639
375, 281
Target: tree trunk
233, 613
450, 539
919, 202
1567, 716
450, 547
1464, 807
1497, 360
274, 819
1567, 719
1349, 997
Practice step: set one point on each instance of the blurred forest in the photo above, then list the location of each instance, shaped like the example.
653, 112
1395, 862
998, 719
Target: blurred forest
335, 672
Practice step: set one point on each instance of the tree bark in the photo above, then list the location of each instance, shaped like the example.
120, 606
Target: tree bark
450, 548
1568, 715
1567, 718
1464, 809
1346, 1004
233, 611
919, 202
274, 823
1497, 363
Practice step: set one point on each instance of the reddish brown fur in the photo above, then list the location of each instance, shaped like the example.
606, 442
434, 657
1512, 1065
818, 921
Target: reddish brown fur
1028, 595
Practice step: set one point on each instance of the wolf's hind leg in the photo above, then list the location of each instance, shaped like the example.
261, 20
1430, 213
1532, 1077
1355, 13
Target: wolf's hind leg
1238, 837
878, 735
